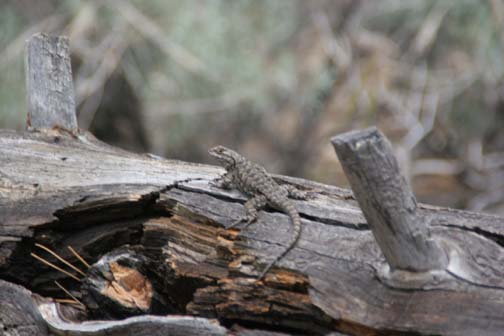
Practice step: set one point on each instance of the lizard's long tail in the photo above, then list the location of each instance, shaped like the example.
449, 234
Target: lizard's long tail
290, 210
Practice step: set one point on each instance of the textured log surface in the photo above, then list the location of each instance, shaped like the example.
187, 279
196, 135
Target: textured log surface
19, 314
59, 189
387, 201
49, 83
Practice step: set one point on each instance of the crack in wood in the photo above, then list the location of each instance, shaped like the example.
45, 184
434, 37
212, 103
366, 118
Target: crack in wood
497, 238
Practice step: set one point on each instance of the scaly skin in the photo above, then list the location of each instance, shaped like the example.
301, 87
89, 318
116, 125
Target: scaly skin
254, 181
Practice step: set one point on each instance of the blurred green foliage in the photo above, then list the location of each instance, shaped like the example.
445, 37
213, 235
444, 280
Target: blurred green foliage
12, 88
275, 79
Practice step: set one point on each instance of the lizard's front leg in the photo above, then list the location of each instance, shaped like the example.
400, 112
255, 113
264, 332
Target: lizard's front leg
224, 181
251, 206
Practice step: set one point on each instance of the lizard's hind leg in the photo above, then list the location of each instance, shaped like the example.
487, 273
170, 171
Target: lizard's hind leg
295, 193
252, 206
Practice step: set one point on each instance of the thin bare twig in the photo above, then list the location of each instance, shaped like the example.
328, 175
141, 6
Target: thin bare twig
428, 31
54, 254
109, 58
66, 301
436, 167
77, 255
54, 266
154, 33
338, 49
67, 292
93, 85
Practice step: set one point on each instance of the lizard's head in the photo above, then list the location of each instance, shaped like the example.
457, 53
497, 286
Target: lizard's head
226, 156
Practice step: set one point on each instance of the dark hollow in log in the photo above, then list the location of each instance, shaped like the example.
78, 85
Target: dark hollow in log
387, 201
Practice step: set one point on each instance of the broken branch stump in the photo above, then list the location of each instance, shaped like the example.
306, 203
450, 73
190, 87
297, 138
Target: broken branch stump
387, 201
49, 83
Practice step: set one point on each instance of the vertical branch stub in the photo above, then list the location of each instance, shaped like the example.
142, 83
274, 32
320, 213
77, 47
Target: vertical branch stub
50, 94
387, 201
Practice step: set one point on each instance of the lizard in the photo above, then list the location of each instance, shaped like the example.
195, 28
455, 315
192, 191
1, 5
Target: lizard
254, 181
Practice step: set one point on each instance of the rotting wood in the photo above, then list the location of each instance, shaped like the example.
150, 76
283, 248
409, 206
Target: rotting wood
119, 286
388, 202
49, 83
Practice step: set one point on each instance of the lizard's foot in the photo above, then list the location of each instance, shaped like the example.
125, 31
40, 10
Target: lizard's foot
236, 223
266, 269
218, 183
297, 194
224, 181
247, 220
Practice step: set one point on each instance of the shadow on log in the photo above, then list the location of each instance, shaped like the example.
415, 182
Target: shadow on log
61, 189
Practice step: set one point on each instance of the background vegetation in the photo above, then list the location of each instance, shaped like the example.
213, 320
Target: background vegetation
276, 79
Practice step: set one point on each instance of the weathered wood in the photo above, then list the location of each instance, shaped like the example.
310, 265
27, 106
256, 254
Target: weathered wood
49, 83
61, 190
134, 326
19, 314
388, 202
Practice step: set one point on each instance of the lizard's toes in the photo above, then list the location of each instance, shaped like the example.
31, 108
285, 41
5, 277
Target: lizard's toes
215, 183
236, 223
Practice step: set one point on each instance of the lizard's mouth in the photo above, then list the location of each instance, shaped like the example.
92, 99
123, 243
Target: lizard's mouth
217, 151
215, 155
213, 151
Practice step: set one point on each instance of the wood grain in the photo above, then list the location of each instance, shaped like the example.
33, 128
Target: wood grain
49, 83
388, 202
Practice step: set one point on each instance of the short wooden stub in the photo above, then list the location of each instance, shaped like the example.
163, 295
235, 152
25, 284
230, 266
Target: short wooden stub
49, 83
387, 201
